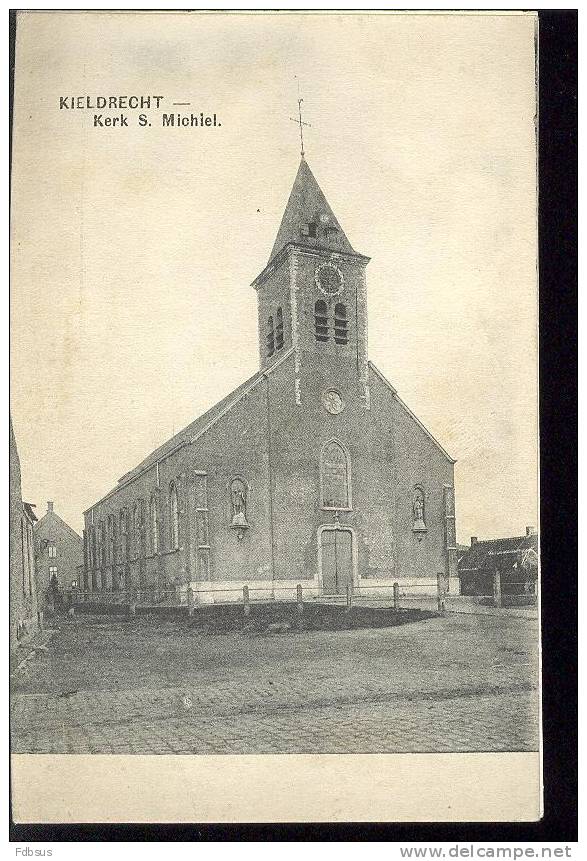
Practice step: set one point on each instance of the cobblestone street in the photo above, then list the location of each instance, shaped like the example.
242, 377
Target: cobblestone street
110, 685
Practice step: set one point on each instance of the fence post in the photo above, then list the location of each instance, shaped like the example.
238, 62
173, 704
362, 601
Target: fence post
441, 596
496, 589
396, 596
246, 603
132, 603
349, 597
300, 603
190, 601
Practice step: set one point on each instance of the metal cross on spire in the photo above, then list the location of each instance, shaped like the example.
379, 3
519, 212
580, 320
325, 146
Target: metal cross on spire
300, 122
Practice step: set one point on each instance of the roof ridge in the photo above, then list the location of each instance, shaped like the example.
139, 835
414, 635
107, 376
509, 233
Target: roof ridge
507, 538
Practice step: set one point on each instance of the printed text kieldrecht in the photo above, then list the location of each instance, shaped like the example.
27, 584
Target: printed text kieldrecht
136, 103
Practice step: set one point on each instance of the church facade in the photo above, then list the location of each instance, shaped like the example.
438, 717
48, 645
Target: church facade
312, 472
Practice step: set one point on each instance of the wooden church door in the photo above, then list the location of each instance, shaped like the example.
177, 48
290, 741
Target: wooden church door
336, 547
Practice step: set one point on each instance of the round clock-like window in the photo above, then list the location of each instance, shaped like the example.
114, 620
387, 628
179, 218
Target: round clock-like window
329, 279
332, 402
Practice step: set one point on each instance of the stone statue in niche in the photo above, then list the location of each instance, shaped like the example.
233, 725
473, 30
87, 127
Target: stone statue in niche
238, 499
418, 511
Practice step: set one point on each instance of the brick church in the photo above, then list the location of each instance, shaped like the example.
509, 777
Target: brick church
313, 471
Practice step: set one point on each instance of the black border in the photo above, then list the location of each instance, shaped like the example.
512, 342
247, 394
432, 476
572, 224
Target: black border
558, 488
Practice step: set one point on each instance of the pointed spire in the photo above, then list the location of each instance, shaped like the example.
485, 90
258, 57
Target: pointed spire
308, 218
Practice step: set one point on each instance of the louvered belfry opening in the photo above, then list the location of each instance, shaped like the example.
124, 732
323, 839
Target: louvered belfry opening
340, 324
279, 330
270, 338
321, 320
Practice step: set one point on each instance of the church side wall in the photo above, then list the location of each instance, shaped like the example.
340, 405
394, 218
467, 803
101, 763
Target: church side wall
419, 463
236, 447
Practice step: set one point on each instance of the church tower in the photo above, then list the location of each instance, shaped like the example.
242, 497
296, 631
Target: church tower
312, 298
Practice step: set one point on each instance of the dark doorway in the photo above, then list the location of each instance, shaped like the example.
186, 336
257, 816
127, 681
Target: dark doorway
336, 547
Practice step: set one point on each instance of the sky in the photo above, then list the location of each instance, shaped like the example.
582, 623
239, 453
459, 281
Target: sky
132, 249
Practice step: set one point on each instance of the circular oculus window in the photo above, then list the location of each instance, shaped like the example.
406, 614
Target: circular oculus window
332, 402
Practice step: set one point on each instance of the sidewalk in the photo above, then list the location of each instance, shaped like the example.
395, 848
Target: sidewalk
453, 604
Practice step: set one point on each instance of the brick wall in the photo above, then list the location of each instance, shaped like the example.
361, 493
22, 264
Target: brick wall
24, 620
68, 546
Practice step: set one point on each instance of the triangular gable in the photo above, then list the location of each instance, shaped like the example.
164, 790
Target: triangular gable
62, 522
405, 407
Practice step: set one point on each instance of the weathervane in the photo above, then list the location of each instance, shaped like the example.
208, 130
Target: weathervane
299, 121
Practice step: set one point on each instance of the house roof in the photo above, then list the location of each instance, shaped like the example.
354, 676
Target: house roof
307, 205
499, 553
28, 508
52, 515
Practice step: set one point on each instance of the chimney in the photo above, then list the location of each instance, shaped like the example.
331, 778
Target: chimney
49, 506
474, 540
530, 530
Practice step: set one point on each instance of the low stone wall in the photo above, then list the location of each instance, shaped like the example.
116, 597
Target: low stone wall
100, 608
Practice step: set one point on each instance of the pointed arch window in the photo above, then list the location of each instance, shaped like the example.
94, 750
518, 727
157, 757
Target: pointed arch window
24, 551
279, 330
270, 338
142, 528
123, 533
94, 557
92, 542
136, 530
202, 525
110, 534
340, 324
102, 539
335, 477
154, 524
173, 517
321, 321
